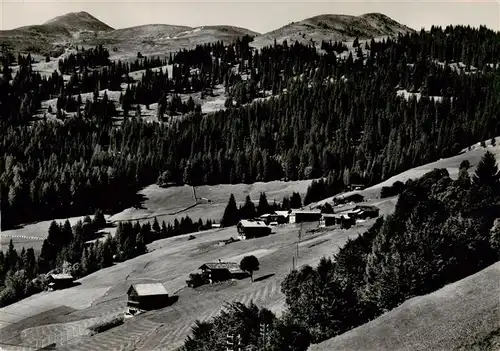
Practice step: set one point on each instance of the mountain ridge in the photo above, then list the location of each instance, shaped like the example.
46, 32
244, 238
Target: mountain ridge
336, 27
82, 28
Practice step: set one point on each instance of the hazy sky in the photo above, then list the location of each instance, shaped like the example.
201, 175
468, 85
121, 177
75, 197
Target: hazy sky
260, 16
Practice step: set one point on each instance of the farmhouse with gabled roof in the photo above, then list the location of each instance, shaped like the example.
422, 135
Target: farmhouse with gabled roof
252, 229
221, 271
147, 297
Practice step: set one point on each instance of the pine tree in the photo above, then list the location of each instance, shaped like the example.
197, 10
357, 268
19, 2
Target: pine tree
30, 264
463, 170
66, 233
486, 173
263, 206
156, 226
11, 257
248, 209
231, 215
84, 263
295, 201
141, 244
164, 229
99, 220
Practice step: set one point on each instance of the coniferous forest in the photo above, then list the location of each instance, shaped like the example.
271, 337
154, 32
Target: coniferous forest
292, 112
442, 230
334, 117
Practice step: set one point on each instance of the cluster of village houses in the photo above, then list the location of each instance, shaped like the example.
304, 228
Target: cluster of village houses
144, 297
261, 226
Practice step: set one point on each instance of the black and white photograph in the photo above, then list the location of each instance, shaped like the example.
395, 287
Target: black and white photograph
249, 175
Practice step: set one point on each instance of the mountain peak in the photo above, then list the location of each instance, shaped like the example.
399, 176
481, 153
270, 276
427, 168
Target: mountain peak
334, 27
79, 21
375, 15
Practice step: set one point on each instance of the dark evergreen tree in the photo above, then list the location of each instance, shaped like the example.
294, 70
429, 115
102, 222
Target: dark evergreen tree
156, 225
248, 210
295, 201
231, 214
486, 173
263, 206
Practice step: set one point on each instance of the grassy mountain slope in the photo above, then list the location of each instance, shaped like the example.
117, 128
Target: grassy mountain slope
57, 31
167, 204
462, 315
145, 32
81, 28
154, 39
334, 27
78, 21
102, 295
473, 154
160, 39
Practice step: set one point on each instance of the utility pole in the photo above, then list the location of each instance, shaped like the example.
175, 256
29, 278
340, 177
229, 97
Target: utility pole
233, 343
263, 335
298, 242
229, 342
239, 344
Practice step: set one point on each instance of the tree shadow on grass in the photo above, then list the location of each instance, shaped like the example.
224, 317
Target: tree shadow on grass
264, 277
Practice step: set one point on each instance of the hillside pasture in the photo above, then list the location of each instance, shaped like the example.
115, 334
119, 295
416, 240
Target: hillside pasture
472, 154
464, 315
101, 296
175, 202
166, 204
33, 234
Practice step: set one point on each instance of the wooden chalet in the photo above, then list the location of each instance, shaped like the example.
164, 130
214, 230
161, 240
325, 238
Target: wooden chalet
278, 218
248, 229
145, 297
284, 214
60, 281
221, 271
328, 220
356, 187
347, 199
368, 211
300, 216
338, 220
364, 212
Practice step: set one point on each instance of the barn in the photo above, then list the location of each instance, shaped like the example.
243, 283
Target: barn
367, 211
300, 216
60, 281
328, 220
145, 297
283, 214
274, 217
221, 271
248, 229
339, 220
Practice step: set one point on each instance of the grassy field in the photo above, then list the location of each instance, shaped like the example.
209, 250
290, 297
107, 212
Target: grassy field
102, 296
163, 203
167, 203
32, 235
473, 155
464, 315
